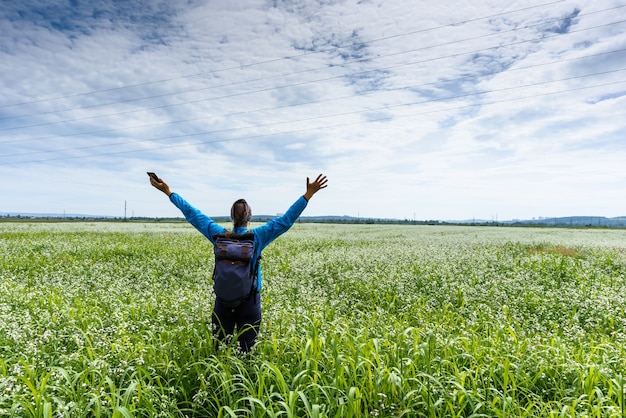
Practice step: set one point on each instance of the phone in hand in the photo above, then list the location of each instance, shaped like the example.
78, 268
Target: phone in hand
154, 176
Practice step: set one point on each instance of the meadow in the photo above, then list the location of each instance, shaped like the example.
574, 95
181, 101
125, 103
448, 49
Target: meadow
113, 320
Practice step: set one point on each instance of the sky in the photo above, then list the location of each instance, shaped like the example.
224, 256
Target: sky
424, 110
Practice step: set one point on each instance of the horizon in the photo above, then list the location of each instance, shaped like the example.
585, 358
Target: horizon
510, 111
220, 218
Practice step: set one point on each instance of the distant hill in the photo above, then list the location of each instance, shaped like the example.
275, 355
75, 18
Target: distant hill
567, 221
573, 221
51, 215
617, 222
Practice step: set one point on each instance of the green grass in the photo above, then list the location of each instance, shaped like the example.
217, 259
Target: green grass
113, 320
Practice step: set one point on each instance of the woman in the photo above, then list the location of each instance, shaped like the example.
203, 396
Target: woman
245, 318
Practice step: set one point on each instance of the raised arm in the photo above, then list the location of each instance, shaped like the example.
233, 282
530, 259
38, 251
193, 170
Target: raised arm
278, 226
203, 223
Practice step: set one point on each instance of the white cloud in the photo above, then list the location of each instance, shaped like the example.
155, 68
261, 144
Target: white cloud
443, 111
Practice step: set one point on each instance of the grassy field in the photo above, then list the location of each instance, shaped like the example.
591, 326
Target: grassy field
113, 320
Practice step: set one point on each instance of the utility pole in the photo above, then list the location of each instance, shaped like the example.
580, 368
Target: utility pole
124, 210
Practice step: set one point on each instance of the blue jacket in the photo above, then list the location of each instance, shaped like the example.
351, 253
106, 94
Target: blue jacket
263, 235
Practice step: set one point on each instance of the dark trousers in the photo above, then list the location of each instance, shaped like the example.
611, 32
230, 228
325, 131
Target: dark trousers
245, 320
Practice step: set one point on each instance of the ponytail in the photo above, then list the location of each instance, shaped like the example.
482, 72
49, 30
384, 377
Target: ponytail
240, 213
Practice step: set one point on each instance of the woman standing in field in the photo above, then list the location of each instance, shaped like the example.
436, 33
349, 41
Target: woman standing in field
246, 317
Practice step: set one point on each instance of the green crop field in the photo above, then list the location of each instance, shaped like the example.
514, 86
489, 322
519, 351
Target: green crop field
113, 320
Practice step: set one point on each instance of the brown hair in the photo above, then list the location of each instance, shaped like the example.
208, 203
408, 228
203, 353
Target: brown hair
240, 213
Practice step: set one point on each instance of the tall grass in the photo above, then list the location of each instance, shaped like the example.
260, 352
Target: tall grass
113, 320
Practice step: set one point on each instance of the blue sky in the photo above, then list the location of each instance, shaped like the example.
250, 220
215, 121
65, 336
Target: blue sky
425, 110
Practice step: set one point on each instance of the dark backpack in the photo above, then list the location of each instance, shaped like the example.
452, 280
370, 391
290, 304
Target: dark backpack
235, 272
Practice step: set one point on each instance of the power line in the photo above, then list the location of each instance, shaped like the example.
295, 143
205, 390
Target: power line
296, 84
308, 129
457, 79
288, 57
161, 147
369, 59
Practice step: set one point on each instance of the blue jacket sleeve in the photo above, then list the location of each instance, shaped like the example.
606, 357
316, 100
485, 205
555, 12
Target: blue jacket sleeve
276, 227
207, 226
